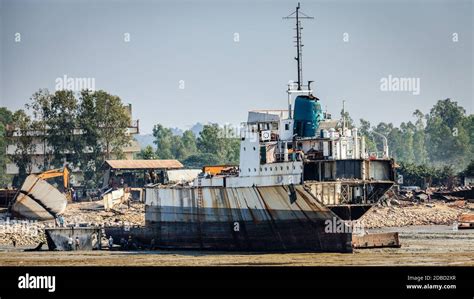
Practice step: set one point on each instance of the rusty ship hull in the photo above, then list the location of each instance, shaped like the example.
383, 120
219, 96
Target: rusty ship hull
241, 219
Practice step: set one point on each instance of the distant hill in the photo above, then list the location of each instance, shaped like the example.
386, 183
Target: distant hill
177, 131
147, 139
197, 128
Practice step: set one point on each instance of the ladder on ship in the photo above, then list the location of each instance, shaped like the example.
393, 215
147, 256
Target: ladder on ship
199, 190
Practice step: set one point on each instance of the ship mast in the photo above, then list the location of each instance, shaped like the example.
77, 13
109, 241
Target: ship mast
297, 14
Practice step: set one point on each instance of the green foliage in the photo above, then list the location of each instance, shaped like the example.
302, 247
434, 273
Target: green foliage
419, 145
209, 141
447, 134
81, 131
364, 130
189, 143
163, 140
215, 145
110, 119
24, 145
201, 159
469, 171
103, 121
5, 116
442, 138
349, 122
5, 119
56, 120
424, 175
147, 153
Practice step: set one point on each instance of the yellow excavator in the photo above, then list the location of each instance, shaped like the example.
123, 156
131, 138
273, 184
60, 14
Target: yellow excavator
54, 173
37, 199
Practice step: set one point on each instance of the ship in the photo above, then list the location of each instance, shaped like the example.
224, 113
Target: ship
299, 171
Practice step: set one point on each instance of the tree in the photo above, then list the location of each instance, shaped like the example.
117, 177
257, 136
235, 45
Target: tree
40, 108
201, 159
215, 145
5, 116
448, 140
163, 140
469, 127
209, 141
189, 143
114, 121
24, 144
346, 116
365, 130
220, 143
469, 171
103, 122
5, 120
424, 175
57, 117
419, 136
147, 153
407, 130
392, 136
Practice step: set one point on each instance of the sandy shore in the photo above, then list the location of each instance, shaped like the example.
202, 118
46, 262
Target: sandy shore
434, 245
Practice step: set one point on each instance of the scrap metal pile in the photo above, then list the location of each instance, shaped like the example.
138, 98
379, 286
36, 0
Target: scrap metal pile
434, 206
23, 232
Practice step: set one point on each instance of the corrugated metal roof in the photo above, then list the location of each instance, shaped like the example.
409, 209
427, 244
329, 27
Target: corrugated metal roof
144, 164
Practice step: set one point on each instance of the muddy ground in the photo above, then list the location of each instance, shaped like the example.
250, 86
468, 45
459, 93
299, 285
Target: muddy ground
426, 233
421, 245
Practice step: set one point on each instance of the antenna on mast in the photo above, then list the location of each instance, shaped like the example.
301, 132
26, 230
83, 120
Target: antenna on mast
344, 117
297, 14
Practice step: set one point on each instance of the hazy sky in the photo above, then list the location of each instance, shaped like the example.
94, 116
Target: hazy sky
194, 41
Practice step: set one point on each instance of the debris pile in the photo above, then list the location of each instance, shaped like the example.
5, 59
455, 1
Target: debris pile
457, 193
415, 214
419, 207
23, 233
93, 214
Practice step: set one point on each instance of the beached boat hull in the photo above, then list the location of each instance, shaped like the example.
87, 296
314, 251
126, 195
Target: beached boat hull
273, 218
38, 200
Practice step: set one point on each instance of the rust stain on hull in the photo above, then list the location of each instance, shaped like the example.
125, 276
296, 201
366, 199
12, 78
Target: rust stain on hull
241, 219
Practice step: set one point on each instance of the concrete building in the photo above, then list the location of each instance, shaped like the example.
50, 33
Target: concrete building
42, 152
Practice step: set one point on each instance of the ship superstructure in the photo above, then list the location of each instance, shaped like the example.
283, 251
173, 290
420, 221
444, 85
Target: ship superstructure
304, 146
